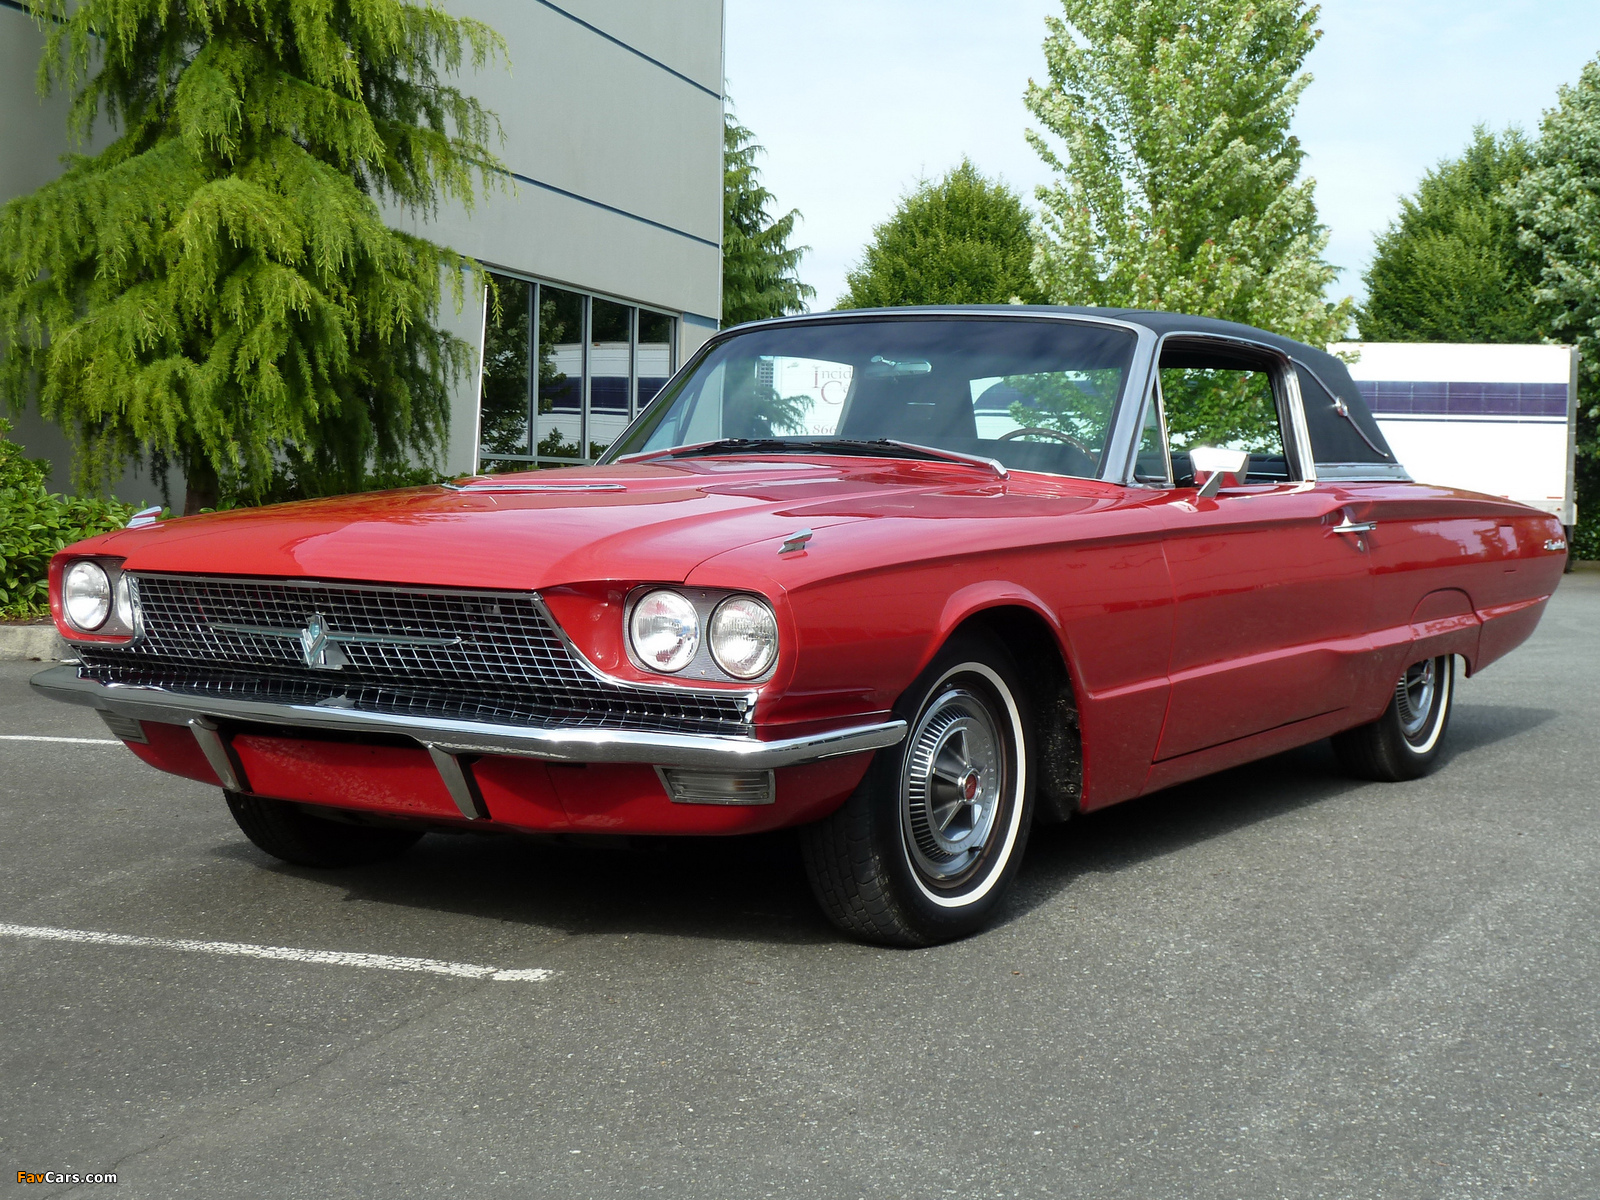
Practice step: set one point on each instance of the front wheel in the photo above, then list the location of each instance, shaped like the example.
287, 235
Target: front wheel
929, 842
1403, 743
289, 832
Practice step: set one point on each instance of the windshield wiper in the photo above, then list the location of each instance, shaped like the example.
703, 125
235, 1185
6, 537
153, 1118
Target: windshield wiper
873, 448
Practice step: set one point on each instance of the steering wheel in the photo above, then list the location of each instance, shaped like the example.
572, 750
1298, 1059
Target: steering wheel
1054, 433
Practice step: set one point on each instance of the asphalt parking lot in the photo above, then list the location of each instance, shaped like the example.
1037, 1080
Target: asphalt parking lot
1273, 983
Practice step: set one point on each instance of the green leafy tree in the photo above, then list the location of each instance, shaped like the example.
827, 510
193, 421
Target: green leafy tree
962, 239
1451, 268
759, 267
217, 287
1558, 208
1178, 183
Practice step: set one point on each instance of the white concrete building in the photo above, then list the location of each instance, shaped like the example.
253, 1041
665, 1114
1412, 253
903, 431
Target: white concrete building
605, 245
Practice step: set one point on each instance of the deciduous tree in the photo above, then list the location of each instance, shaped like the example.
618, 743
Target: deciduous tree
1558, 208
1178, 182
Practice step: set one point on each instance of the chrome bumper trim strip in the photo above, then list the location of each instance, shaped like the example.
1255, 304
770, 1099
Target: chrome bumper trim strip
463, 788
715, 751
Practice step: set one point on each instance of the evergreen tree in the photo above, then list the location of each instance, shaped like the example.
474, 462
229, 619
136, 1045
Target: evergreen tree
1558, 208
961, 240
218, 286
1451, 269
1178, 182
759, 266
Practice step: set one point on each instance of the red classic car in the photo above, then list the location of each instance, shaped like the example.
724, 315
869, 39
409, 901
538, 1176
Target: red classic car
910, 581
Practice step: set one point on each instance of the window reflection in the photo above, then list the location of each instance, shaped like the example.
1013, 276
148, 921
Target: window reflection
610, 371
599, 362
560, 423
503, 421
655, 354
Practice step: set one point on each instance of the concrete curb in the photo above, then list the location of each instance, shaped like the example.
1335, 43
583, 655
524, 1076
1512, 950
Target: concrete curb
35, 643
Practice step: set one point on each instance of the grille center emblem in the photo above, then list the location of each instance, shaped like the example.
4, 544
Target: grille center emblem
317, 645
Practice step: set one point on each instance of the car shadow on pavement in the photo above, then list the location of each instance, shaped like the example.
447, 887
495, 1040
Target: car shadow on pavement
744, 889
1175, 818
754, 888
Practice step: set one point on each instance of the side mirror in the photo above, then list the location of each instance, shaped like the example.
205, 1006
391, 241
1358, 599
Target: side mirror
1214, 467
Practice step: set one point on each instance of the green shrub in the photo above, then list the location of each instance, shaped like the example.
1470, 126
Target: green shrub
35, 523
1586, 540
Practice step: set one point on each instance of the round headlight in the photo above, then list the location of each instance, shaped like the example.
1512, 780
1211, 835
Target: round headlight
665, 631
744, 637
86, 595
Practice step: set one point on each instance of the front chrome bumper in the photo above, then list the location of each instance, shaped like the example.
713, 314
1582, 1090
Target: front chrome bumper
443, 736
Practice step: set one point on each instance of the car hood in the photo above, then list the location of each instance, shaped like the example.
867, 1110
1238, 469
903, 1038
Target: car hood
539, 529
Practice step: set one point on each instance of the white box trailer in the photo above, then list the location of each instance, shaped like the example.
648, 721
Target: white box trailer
1496, 419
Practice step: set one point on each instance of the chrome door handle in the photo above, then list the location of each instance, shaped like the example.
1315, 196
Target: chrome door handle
1350, 526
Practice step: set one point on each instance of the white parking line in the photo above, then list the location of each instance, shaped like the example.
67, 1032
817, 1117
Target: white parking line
35, 737
337, 958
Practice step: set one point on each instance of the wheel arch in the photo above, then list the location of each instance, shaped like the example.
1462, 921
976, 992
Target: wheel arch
1034, 643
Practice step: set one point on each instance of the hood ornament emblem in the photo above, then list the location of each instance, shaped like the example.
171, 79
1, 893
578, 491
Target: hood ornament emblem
317, 645
795, 541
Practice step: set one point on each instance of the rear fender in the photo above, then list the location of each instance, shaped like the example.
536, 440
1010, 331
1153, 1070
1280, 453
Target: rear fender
1445, 622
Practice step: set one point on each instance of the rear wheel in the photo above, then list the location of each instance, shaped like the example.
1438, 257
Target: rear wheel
928, 844
289, 832
1404, 743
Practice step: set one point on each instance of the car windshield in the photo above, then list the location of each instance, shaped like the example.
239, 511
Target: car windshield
1036, 395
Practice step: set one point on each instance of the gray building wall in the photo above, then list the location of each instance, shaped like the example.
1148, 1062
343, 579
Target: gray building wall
612, 115
33, 137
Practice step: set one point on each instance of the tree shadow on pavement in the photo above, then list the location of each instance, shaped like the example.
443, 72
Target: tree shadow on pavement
754, 888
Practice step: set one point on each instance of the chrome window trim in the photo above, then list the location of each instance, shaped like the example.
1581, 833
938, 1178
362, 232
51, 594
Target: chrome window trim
1285, 390
1118, 438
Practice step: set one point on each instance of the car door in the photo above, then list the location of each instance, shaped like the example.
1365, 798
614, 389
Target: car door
1272, 588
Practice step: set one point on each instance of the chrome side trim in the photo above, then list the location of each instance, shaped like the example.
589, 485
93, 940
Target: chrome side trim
715, 751
458, 778
219, 754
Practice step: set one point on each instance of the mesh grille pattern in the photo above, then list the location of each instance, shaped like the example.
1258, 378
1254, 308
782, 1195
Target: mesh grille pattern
489, 656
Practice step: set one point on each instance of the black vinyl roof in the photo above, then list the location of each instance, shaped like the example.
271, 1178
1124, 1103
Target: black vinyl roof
1351, 436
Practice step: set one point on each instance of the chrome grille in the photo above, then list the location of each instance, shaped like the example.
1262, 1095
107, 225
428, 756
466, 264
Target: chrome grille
474, 656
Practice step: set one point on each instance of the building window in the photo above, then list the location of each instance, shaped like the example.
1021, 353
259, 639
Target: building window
599, 362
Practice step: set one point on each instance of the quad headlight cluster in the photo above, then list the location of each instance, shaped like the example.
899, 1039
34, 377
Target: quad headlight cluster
668, 631
98, 598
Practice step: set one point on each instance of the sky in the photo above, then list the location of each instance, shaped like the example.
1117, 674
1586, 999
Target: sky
856, 100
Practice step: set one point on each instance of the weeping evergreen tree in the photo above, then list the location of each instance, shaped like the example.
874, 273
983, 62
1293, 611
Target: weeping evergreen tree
759, 277
217, 288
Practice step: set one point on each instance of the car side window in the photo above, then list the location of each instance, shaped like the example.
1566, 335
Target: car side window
1225, 401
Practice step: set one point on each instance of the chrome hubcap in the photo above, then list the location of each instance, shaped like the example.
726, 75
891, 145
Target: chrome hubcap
1413, 697
954, 776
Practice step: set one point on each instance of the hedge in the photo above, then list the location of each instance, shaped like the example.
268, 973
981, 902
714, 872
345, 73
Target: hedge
35, 523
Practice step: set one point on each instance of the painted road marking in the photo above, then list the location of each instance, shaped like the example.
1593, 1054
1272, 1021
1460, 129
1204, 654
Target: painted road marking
35, 737
336, 958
